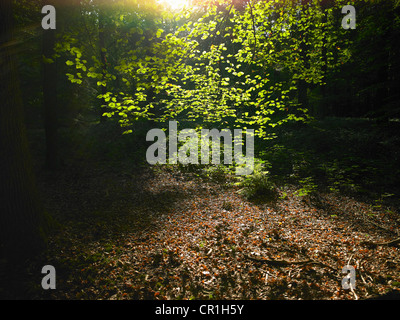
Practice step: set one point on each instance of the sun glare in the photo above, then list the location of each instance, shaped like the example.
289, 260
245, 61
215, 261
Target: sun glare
175, 4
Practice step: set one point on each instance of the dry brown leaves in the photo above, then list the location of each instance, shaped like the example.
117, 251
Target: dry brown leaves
167, 237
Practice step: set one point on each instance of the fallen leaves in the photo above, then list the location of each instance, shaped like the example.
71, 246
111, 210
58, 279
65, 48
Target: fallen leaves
168, 237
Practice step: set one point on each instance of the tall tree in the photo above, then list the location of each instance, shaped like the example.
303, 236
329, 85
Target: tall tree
22, 217
103, 58
50, 95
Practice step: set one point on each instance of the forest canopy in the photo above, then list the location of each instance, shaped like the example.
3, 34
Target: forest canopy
247, 64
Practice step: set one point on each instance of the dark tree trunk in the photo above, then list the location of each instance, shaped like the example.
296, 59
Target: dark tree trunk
325, 107
103, 61
302, 86
22, 217
325, 103
50, 98
302, 95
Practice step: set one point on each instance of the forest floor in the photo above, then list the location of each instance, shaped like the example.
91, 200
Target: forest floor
132, 231
161, 234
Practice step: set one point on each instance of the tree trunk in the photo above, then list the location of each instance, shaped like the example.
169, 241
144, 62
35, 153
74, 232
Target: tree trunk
103, 61
50, 98
22, 217
325, 107
302, 85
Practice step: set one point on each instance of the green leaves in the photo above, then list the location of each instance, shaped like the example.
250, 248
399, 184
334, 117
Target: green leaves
159, 32
220, 66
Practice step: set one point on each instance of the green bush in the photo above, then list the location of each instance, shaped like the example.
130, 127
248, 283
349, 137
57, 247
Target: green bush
218, 173
308, 187
258, 184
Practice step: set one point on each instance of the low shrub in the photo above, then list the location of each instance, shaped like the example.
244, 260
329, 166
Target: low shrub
257, 185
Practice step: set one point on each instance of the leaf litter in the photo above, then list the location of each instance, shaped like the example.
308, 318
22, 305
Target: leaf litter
162, 234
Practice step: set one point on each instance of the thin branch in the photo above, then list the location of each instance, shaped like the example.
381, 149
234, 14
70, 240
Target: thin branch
283, 262
222, 21
387, 243
254, 29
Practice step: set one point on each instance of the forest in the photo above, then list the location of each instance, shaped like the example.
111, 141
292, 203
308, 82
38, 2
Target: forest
199, 150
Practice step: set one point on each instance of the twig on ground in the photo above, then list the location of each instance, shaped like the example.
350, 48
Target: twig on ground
283, 262
352, 290
387, 243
